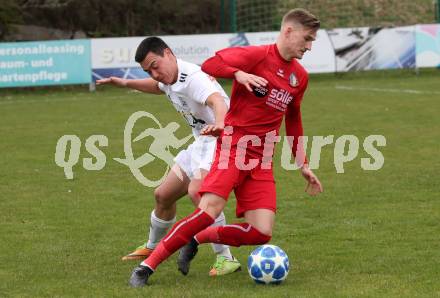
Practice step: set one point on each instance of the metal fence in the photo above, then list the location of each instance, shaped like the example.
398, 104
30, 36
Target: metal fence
265, 15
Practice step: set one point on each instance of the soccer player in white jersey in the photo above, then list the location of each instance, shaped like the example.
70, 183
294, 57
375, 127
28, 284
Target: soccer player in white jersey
203, 103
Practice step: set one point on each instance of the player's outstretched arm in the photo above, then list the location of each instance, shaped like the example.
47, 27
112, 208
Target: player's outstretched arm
216, 102
220, 68
112, 81
226, 63
145, 85
249, 80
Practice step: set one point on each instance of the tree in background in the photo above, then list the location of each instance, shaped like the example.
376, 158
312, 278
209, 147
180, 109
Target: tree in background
99, 18
9, 13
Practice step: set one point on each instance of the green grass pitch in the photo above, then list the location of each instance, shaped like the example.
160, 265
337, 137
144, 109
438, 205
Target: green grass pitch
370, 234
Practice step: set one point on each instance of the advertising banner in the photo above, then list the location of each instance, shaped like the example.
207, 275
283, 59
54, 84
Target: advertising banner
338, 50
120, 52
428, 45
115, 56
45, 63
373, 48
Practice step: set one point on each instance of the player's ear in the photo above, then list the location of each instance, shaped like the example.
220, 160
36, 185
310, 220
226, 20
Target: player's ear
168, 52
288, 29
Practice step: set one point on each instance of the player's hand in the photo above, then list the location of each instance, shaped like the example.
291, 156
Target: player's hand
113, 81
212, 130
249, 80
314, 186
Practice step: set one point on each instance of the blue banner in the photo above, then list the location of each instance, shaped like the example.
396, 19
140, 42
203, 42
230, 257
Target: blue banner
43, 63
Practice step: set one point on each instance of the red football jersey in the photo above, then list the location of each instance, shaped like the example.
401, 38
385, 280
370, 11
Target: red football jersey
262, 110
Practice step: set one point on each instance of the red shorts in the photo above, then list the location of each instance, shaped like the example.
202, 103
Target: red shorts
254, 188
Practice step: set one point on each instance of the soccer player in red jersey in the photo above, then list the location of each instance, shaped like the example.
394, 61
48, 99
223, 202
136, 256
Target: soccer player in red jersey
269, 84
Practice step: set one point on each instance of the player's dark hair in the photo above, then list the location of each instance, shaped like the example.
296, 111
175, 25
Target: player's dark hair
303, 17
150, 44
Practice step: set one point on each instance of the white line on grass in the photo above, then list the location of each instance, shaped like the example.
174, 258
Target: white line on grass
6, 102
409, 91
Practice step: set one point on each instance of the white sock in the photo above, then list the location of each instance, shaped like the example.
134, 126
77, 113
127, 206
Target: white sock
221, 249
158, 229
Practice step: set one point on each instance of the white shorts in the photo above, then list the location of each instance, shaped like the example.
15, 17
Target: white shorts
198, 155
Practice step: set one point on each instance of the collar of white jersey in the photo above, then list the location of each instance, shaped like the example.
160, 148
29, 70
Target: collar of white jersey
180, 65
182, 71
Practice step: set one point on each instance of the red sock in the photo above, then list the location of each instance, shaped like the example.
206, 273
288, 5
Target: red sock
234, 235
159, 254
180, 234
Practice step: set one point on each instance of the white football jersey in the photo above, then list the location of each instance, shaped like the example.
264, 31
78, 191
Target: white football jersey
190, 92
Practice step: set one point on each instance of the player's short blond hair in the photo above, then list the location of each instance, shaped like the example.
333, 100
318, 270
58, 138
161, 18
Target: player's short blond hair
301, 16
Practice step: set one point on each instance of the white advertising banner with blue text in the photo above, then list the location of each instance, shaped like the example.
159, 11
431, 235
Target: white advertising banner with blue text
115, 56
43, 63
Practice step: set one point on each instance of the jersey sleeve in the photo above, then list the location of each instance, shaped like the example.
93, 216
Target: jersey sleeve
200, 87
294, 126
228, 61
294, 129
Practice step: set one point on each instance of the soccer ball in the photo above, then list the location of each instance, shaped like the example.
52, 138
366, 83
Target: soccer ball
268, 264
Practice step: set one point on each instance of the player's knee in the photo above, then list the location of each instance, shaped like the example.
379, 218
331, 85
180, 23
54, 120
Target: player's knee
212, 204
162, 200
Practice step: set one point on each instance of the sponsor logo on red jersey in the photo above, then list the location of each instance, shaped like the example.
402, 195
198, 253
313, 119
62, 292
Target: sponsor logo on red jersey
281, 95
260, 91
279, 99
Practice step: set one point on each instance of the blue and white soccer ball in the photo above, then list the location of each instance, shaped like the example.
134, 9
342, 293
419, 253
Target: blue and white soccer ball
268, 264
